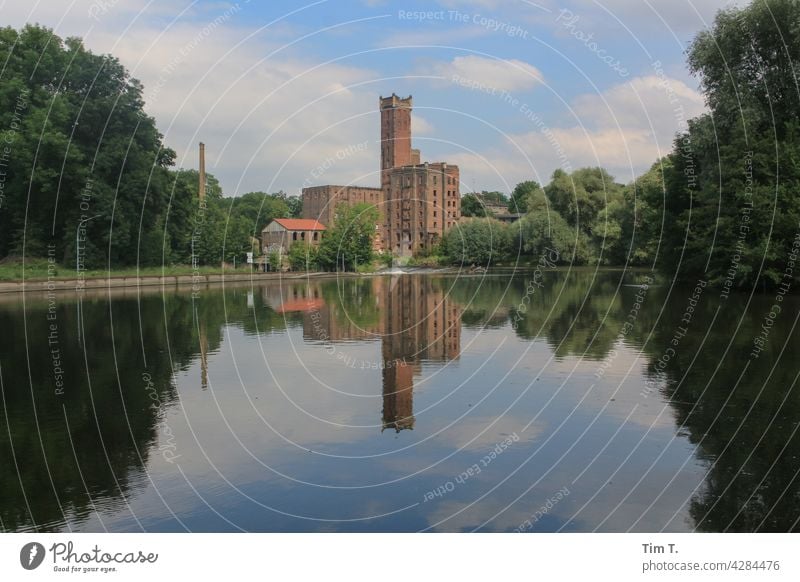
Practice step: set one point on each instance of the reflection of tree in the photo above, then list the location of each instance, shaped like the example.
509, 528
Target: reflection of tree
577, 312
60, 454
353, 301
752, 483
89, 435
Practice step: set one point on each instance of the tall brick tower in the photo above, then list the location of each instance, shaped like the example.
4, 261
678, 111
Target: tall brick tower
395, 135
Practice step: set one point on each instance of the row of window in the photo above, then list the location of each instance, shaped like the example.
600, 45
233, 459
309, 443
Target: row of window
303, 236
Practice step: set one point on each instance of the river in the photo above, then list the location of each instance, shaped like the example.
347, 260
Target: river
567, 400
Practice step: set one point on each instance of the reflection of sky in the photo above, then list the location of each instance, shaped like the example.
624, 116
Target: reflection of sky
302, 436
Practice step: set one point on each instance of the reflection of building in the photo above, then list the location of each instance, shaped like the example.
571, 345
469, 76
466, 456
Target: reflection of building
414, 318
422, 324
418, 201
280, 234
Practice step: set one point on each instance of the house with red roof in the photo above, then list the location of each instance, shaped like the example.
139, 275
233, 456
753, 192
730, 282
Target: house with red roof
280, 234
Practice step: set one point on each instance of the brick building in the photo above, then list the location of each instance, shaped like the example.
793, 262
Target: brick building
319, 202
279, 235
418, 201
421, 200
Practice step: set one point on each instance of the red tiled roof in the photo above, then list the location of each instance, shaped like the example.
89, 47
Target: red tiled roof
301, 305
300, 224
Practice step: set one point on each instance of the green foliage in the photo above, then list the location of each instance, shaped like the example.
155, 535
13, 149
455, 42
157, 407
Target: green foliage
481, 241
303, 256
293, 203
522, 196
732, 207
540, 231
87, 168
348, 242
580, 196
89, 175
275, 261
471, 206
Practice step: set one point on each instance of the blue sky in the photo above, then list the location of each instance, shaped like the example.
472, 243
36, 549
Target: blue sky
284, 94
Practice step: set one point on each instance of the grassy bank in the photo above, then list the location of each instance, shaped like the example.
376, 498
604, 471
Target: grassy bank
37, 269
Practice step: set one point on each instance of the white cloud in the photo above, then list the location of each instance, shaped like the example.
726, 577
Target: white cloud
269, 122
421, 126
624, 129
435, 37
484, 72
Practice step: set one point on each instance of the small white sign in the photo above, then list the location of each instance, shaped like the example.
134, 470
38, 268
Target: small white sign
249, 258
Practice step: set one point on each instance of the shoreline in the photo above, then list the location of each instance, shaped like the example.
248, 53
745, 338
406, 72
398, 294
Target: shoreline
76, 285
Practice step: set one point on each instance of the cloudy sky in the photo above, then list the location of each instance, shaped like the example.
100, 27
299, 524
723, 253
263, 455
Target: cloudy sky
285, 94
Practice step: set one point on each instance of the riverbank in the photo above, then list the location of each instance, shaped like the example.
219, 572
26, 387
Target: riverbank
166, 281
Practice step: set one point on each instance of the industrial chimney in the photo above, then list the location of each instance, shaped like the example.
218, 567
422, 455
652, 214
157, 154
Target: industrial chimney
201, 189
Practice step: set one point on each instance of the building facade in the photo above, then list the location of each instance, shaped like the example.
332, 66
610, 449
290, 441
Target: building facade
421, 201
418, 201
280, 234
319, 202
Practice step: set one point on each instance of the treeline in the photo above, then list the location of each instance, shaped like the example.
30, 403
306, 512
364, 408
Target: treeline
85, 177
585, 216
723, 206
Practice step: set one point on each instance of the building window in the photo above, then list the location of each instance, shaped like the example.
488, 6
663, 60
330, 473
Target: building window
434, 214
303, 235
316, 236
294, 236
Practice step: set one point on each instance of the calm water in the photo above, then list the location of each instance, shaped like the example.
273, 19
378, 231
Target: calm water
575, 401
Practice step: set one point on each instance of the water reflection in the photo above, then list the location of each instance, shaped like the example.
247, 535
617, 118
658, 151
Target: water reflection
327, 383
414, 318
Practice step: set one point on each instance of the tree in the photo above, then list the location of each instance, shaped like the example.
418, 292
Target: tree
520, 197
293, 203
580, 196
94, 195
472, 206
481, 241
260, 208
642, 217
542, 232
303, 256
348, 242
731, 207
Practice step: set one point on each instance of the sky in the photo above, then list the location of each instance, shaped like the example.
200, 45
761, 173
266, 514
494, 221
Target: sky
285, 94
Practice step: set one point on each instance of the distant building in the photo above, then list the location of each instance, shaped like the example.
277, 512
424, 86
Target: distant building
319, 202
508, 217
421, 201
418, 201
280, 234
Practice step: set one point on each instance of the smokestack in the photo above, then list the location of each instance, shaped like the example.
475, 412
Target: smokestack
201, 190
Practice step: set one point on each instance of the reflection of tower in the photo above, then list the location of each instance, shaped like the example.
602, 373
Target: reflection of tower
398, 395
203, 356
422, 325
